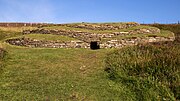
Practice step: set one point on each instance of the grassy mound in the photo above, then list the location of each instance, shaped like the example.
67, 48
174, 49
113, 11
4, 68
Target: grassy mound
7, 34
151, 72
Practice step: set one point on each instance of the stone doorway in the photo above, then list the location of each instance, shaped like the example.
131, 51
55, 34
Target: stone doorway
94, 45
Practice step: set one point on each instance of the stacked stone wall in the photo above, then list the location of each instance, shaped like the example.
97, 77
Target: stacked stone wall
27, 42
103, 26
80, 44
86, 38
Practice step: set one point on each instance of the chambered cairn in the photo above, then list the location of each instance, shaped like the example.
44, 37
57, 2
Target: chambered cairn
94, 35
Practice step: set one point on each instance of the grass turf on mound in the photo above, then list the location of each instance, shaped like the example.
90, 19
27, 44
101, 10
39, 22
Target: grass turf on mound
49, 37
5, 34
16, 29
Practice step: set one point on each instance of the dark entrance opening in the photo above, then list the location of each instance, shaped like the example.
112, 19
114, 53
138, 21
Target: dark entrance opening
94, 45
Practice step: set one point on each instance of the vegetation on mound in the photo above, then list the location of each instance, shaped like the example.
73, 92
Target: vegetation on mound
16, 29
7, 34
49, 37
151, 72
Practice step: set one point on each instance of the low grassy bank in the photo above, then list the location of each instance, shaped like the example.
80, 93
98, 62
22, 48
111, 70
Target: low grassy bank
175, 28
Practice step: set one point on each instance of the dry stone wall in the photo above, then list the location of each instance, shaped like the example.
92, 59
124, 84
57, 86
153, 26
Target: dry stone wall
80, 44
136, 41
88, 37
27, 42
103, 26
83, 36
145, 31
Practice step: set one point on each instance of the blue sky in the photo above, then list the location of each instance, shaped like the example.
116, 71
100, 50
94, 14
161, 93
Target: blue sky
67, 11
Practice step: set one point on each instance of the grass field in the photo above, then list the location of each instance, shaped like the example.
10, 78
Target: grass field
79, 74
51, 73
57, 74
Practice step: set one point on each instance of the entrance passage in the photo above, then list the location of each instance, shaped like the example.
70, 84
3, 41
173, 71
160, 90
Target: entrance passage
94, 45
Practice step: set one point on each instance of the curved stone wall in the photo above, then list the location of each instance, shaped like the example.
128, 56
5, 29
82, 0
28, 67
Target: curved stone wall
133, 41
88, 37
27, 42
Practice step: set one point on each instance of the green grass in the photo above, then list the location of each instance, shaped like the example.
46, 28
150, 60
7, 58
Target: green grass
49, 37
7, 34
16, 29
152, 72
2, 55
57, 74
